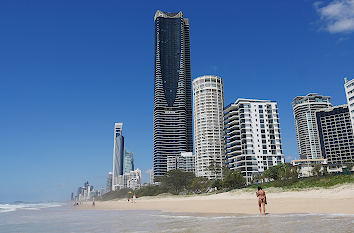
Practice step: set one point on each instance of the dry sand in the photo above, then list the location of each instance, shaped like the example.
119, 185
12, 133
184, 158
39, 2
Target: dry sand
337, 200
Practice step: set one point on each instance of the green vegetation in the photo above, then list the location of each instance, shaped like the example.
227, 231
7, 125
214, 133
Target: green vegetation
325, 181
283, 176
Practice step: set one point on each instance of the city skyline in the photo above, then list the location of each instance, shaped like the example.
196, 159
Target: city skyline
69, 64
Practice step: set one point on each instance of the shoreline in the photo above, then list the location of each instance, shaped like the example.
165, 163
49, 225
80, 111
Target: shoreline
336, 200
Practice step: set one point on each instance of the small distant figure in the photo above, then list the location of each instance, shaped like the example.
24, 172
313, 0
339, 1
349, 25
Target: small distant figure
262, 199
93, 202
134, 198
128, 199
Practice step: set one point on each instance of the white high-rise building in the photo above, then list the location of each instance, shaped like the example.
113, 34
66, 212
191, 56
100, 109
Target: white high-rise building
208, 105
304, 108
252, 136
349, 91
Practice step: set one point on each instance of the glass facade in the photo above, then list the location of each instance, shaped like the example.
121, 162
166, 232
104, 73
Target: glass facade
128, 162
172, 89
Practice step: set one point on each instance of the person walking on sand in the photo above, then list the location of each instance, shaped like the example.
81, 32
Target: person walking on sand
262, 199
134, 198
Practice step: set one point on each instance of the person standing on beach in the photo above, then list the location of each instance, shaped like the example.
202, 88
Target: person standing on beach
262, 199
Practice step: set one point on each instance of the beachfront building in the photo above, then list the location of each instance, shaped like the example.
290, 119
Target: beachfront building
118, 154
187, 162
336, 134
130, 180
109, 182
208, 105
184, 162
305, 167
172, 89
349, 91
128, 162
304, 108
252, 136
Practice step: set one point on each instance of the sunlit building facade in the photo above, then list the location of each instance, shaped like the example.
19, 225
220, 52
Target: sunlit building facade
349, 91
208, 105
252, 136
304, 108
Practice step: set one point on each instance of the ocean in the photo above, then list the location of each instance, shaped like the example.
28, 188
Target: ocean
59, 217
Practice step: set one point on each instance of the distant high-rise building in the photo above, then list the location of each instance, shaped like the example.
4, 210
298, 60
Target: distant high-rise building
128, 163
336, 134
172, 89
118, 153
304, 108
349, 90
131, 180
109, 182
208, 106
252, 136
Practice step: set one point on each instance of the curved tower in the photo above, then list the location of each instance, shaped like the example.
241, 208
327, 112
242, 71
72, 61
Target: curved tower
304, 108
172, 89
208, 110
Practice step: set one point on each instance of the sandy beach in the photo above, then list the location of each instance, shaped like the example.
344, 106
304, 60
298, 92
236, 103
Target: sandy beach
337, 200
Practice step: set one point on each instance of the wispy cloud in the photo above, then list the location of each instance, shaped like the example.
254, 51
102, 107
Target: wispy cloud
337, 15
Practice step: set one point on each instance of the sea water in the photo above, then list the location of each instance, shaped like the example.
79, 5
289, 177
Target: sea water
56, 217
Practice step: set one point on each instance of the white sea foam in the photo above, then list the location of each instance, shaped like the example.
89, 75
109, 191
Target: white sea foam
26, 206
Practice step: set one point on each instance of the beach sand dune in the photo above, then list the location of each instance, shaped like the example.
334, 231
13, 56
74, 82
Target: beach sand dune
337, 200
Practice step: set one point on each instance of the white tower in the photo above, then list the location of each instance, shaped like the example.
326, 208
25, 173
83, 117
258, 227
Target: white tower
304, 108
208, 105
349, 91
252, 136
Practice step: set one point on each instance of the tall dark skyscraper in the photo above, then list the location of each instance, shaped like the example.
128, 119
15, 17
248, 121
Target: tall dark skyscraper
172, 91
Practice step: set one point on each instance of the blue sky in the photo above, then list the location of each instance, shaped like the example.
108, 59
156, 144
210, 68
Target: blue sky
70, 69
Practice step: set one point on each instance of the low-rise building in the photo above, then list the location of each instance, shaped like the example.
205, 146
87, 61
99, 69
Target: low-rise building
130, 180
184, 162
305, 166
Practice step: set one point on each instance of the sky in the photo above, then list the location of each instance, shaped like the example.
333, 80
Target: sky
70, 69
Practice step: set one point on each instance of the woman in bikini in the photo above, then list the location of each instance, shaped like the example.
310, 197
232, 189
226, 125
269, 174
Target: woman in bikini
262, 199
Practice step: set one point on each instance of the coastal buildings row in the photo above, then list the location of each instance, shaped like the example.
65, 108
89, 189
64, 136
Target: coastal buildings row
325, 133
245, 135
131, 180
87, 193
